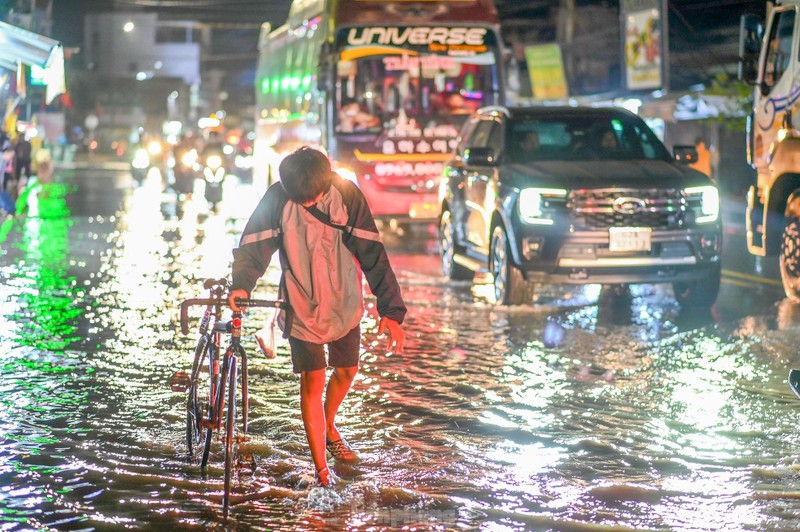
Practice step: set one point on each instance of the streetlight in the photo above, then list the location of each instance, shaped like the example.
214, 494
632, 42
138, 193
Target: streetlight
172, 105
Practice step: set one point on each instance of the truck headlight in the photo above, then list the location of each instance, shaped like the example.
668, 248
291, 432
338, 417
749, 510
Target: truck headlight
705, 201
535, 204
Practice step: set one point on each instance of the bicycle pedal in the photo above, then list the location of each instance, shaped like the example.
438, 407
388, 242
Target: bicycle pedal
180, 381
247, 462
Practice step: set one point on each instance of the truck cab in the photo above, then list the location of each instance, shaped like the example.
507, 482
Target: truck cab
769, 61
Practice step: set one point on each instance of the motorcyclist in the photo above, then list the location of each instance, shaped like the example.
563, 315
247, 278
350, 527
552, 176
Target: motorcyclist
184, 169
215, 167
214, 146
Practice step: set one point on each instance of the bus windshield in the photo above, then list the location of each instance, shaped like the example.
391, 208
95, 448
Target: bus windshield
414, 90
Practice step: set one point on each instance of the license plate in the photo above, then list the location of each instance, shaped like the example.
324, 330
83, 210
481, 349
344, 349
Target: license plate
629, 238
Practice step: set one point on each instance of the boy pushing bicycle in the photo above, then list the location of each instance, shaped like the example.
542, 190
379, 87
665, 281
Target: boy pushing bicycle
326, 237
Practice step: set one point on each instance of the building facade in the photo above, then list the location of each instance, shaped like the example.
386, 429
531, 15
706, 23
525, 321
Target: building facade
141, 73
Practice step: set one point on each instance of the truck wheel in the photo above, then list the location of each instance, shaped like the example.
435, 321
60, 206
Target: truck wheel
701, 293
510, 288
447, 250
790, 259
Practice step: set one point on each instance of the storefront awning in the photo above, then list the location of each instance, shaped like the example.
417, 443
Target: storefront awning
20, 46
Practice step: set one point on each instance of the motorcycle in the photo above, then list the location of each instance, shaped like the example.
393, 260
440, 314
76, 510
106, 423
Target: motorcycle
185, 171
145, 158
214, 174
140, 164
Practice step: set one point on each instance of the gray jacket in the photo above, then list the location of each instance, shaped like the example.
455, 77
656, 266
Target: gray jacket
321, 264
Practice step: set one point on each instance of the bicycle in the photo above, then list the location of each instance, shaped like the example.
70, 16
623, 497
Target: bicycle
205, 404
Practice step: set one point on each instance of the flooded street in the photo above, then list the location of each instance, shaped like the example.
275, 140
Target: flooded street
592, 409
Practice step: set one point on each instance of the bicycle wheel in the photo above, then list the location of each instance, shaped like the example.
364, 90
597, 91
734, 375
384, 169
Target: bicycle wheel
209, 408
245, 394
230, 436
196, 397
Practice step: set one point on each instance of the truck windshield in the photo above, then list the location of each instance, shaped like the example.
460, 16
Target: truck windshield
582, 138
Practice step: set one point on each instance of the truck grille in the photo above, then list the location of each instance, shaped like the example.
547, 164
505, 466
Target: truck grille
603, 208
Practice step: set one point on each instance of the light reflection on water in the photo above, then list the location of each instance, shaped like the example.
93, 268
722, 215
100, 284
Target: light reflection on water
639, 417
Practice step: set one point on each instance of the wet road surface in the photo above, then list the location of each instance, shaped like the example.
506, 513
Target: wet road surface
588, 410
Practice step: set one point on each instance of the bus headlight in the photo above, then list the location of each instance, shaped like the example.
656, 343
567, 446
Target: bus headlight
348, 174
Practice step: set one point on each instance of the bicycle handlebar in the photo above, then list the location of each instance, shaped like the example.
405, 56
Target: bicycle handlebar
197, 302
211, 283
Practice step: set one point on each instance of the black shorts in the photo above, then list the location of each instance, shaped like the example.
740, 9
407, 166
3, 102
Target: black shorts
342, 353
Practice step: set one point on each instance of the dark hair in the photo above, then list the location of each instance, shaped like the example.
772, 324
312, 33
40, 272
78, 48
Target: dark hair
305, 174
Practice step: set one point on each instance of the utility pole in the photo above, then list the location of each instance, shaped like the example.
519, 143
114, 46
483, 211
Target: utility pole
566, 34
665, 45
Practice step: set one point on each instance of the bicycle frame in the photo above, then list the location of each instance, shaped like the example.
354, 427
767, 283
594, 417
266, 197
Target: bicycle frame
223, 374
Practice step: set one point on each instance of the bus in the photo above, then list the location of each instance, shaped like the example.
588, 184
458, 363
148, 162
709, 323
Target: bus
382, 86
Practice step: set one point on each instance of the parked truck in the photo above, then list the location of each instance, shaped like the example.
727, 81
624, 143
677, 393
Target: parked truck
769, 61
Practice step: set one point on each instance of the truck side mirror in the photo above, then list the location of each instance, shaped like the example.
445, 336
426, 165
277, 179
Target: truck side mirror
685, 154
751, 30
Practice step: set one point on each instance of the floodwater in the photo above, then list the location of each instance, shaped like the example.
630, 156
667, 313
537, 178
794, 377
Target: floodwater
590, 410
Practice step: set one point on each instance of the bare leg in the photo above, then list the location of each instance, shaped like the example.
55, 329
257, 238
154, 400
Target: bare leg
312, 383
339, 385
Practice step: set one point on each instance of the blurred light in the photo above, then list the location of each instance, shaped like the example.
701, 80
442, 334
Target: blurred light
244, 162
141, 159
172, 127
128, 27
553, 334
348, 174
141, 76
214, 161
157, 65
206, 122
154, 147
632, 105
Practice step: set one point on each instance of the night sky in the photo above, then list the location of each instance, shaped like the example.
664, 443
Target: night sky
68, 21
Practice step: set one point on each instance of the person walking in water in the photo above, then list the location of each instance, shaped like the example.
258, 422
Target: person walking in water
22, 157
325, 235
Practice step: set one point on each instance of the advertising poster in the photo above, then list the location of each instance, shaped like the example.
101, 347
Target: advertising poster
546, 70
642, 44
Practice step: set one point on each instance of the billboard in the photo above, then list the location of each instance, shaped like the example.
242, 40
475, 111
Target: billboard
643, 44
546, 70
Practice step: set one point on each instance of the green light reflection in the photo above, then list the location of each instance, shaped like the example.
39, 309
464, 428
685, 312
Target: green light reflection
48, 297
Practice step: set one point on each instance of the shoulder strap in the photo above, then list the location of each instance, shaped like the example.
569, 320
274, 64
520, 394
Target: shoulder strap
324, 218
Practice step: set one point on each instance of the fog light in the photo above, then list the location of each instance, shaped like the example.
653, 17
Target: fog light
710, 244
532, 247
